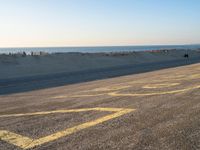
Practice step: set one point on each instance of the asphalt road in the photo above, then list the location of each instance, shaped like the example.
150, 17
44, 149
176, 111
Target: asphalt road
24, 84
154, 110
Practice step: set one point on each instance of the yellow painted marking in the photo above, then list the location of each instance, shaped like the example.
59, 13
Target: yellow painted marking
26, 143
116, 89
162, 85
111, 88
15, 139
194, 76
116, 93
104, 90
173, 77
61, 111
154, 93
180, 78
77, 96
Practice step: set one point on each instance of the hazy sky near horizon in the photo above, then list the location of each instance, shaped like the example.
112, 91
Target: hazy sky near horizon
33, 23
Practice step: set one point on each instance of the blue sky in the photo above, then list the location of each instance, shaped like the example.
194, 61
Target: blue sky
33, 23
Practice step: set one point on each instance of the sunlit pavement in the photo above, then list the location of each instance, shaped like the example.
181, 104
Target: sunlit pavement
155, 110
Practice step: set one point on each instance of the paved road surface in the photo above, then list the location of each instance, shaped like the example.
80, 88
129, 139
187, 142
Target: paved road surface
155, 110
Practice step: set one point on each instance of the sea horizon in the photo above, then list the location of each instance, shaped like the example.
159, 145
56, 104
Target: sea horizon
97, 49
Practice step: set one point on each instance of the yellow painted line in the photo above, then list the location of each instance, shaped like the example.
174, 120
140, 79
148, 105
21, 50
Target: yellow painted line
174, 76
153, 93
26, 142
111, 88
77, 96
103, 89
183, 78
162, 85
194, 76
15, 139
117, 92
61, 111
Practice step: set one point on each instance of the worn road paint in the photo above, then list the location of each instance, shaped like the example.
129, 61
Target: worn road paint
62, 111
15, 139
77, 96
180, 78
117, 92
116, 89
106, 89
26, 142
103, 89
154, 93
161, 85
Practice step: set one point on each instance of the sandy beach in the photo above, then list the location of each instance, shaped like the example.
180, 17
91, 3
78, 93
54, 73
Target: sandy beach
19, 66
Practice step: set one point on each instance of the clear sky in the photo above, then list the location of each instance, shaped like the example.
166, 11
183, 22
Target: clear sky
33, 23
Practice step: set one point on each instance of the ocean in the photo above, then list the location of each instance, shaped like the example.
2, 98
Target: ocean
97, 49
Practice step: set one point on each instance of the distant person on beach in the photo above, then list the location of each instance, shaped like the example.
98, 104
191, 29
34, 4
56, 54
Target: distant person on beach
23, 54
186, 56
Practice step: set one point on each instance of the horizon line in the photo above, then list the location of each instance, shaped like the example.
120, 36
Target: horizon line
73, 46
